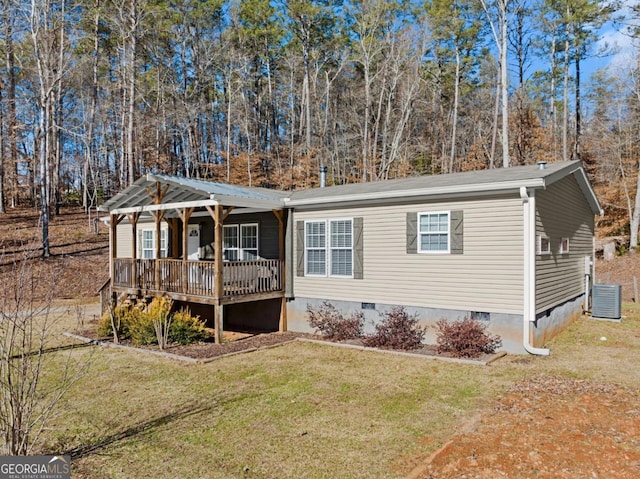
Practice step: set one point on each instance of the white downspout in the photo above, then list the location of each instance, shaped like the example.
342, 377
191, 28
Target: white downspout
587, 285
529, 289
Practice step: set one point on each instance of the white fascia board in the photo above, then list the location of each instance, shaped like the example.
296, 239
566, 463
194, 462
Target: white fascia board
263, 204
444, 191
588, 192
164, 206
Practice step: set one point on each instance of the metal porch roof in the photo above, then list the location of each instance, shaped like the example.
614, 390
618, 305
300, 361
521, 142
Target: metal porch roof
189, 192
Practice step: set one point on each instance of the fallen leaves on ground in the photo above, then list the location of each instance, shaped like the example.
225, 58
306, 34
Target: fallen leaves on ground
549, 427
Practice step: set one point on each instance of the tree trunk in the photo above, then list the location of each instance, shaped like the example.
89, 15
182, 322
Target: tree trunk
565, 97
132, 89
634, 224
12, 122
39, 23
87, 197
576, 147
504, 81
2, 156
454, 120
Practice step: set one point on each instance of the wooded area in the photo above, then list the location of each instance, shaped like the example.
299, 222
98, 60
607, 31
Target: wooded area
95, 93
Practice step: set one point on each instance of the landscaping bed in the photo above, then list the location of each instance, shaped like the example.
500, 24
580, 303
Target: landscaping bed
238, 342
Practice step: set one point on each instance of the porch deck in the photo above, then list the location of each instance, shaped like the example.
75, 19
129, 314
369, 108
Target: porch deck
194, 280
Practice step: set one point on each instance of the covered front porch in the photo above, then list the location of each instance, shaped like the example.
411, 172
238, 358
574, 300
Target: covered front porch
189, 240
194, 281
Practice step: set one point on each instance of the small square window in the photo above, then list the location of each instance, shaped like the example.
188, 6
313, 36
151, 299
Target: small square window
564, 245
544, 245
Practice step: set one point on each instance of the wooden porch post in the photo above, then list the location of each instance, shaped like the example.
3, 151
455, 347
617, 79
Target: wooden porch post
218, 284
175, 237
279, 214
133, 219
185, 214
157, 197
157, 215
113, 243
114, 220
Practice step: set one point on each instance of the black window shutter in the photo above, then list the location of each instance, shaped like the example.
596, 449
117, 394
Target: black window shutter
357, 248
412, 233
299, 248
288, 256
457, 230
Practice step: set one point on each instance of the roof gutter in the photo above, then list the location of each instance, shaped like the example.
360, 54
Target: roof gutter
529, 286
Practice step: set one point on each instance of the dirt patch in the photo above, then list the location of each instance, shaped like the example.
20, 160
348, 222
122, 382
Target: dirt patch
79, 261
548, 427
621, 270
209, 350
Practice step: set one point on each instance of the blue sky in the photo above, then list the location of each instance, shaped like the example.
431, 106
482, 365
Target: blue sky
616, 37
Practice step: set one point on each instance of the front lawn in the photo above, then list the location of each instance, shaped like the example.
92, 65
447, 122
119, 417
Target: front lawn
302, 410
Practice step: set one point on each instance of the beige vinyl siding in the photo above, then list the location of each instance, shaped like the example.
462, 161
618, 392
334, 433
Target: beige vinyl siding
488, 275
124, 240
562, 212
124, 236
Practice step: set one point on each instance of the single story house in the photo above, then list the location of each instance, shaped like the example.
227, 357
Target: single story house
513, 247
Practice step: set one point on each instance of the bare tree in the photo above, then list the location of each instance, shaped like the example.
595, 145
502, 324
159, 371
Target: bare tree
498, 12
34, 376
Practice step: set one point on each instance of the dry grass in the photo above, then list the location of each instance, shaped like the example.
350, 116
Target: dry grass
301, 410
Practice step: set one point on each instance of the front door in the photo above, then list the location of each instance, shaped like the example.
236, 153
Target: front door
193, 242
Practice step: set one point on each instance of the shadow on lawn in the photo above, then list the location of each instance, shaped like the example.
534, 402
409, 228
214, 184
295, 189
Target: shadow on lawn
38, 256
54, 349
135, 430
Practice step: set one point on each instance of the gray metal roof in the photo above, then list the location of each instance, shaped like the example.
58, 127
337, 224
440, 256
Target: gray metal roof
448, 185
453, 181
187, 192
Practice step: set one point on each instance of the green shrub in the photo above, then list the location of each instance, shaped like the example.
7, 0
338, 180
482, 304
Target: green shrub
333, 325
121, 320
186, 329
140, 325
467, 338
397, 330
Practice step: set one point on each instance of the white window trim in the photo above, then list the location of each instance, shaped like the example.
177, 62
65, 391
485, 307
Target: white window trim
539, 245
419, 233
243, 250
562, 249
306, 249
236, 248
164, 252
239, 248
327, 249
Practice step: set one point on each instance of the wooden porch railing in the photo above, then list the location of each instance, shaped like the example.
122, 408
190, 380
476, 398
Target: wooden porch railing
197, 277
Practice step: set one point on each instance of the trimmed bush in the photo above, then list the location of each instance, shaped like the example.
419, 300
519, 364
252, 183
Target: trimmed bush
465, 339
186, 329
397, 330
333, 325
141, 324
141, 330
